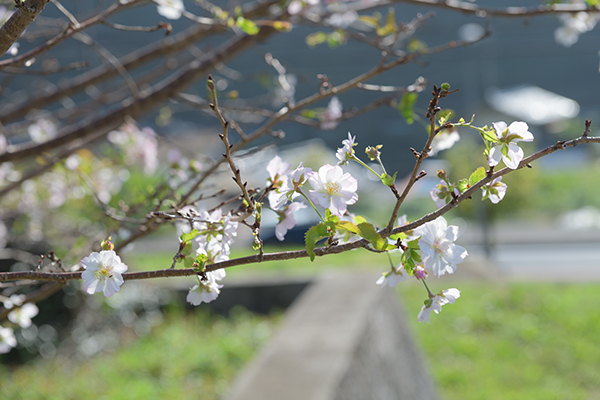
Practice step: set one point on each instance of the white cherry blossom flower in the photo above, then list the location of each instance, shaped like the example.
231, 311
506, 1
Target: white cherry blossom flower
392, 278
444, 141
206, 291
7, 340
42, 130
574, 25
171, 9
441, 194
438, 251
137, 145
495, 190
435, 304
289, 187
22, 315
297, 6
103, 272
507, 150
345, 153
214, 227
286, 219
333, 189
331, 116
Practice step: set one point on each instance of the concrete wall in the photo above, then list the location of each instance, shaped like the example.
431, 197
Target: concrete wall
344, 338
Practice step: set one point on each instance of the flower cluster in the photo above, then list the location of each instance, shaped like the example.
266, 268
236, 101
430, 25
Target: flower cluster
216, 233
137, 145
438, 255
331, 189
206, 290
574, 25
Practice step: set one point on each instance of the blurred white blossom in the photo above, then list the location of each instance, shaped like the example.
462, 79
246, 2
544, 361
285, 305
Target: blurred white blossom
138, 145
42, 130
7, 340
171, 9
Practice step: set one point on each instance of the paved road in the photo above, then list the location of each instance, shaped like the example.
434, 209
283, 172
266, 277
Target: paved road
539, 253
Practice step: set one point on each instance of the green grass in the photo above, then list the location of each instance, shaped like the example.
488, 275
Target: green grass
516, 341
189, 356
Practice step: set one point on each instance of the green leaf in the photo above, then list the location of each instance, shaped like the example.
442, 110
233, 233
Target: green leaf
368, 232
186, 237
310, 114
247, 26
476, 176
348, 227
188, 262
315, 39
359, 219
411, 256
462, 185
201, 260
371, 21
406, 106
388, 180
445, 86
489, 135
416, 45
282, 26
312, 236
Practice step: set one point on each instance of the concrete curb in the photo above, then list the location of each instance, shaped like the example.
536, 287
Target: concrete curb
344, 338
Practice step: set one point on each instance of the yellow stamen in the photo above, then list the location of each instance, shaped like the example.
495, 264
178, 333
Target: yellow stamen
332, 188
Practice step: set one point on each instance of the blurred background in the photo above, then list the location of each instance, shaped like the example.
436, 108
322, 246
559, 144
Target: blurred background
525, 324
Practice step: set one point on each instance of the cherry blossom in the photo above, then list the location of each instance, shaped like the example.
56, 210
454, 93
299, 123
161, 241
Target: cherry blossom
574, 25
345, 153
289, 187
171, 9
420, 272
495, 191
438, 251
7, 340
392, 278
333, 189
297, 6
286, 219
216, 230
441, 194
207, 290
435, 304
507, 150
444, 141
277, 169
332, 114
22, 315
42, 130
103, 272
138, 145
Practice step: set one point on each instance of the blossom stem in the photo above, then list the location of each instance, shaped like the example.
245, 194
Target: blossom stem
311, 203
390, 259
431, 295
382, 167
358, 160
